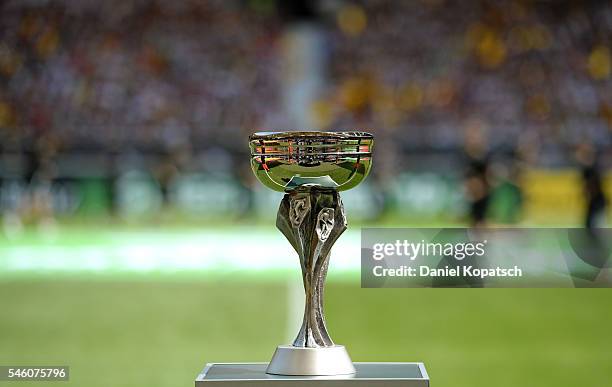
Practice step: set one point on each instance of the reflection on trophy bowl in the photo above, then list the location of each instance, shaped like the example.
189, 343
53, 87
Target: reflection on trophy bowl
284, 161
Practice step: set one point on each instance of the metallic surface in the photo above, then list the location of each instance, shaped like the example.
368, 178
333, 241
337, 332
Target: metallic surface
311, 167
300, 361
368, 374
285, 160
312, 219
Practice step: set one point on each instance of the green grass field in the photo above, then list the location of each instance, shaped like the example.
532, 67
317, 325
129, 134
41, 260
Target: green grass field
140, 328
160, 333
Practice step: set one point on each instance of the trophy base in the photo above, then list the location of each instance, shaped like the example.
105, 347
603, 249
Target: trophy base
302, 361
366, 375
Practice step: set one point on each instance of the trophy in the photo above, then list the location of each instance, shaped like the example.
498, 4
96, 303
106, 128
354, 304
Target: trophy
311, 168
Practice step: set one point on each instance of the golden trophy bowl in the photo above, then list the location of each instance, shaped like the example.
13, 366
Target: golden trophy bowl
283, 161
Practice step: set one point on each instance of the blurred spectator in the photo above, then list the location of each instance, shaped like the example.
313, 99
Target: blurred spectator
595, 198
507, 195
477, 179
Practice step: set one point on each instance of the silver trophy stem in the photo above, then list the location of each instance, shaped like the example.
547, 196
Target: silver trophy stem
312, 219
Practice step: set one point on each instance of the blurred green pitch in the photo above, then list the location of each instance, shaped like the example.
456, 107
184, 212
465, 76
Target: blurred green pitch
159, 330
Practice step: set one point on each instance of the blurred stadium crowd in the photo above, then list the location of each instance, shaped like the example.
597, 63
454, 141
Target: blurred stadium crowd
95, 89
